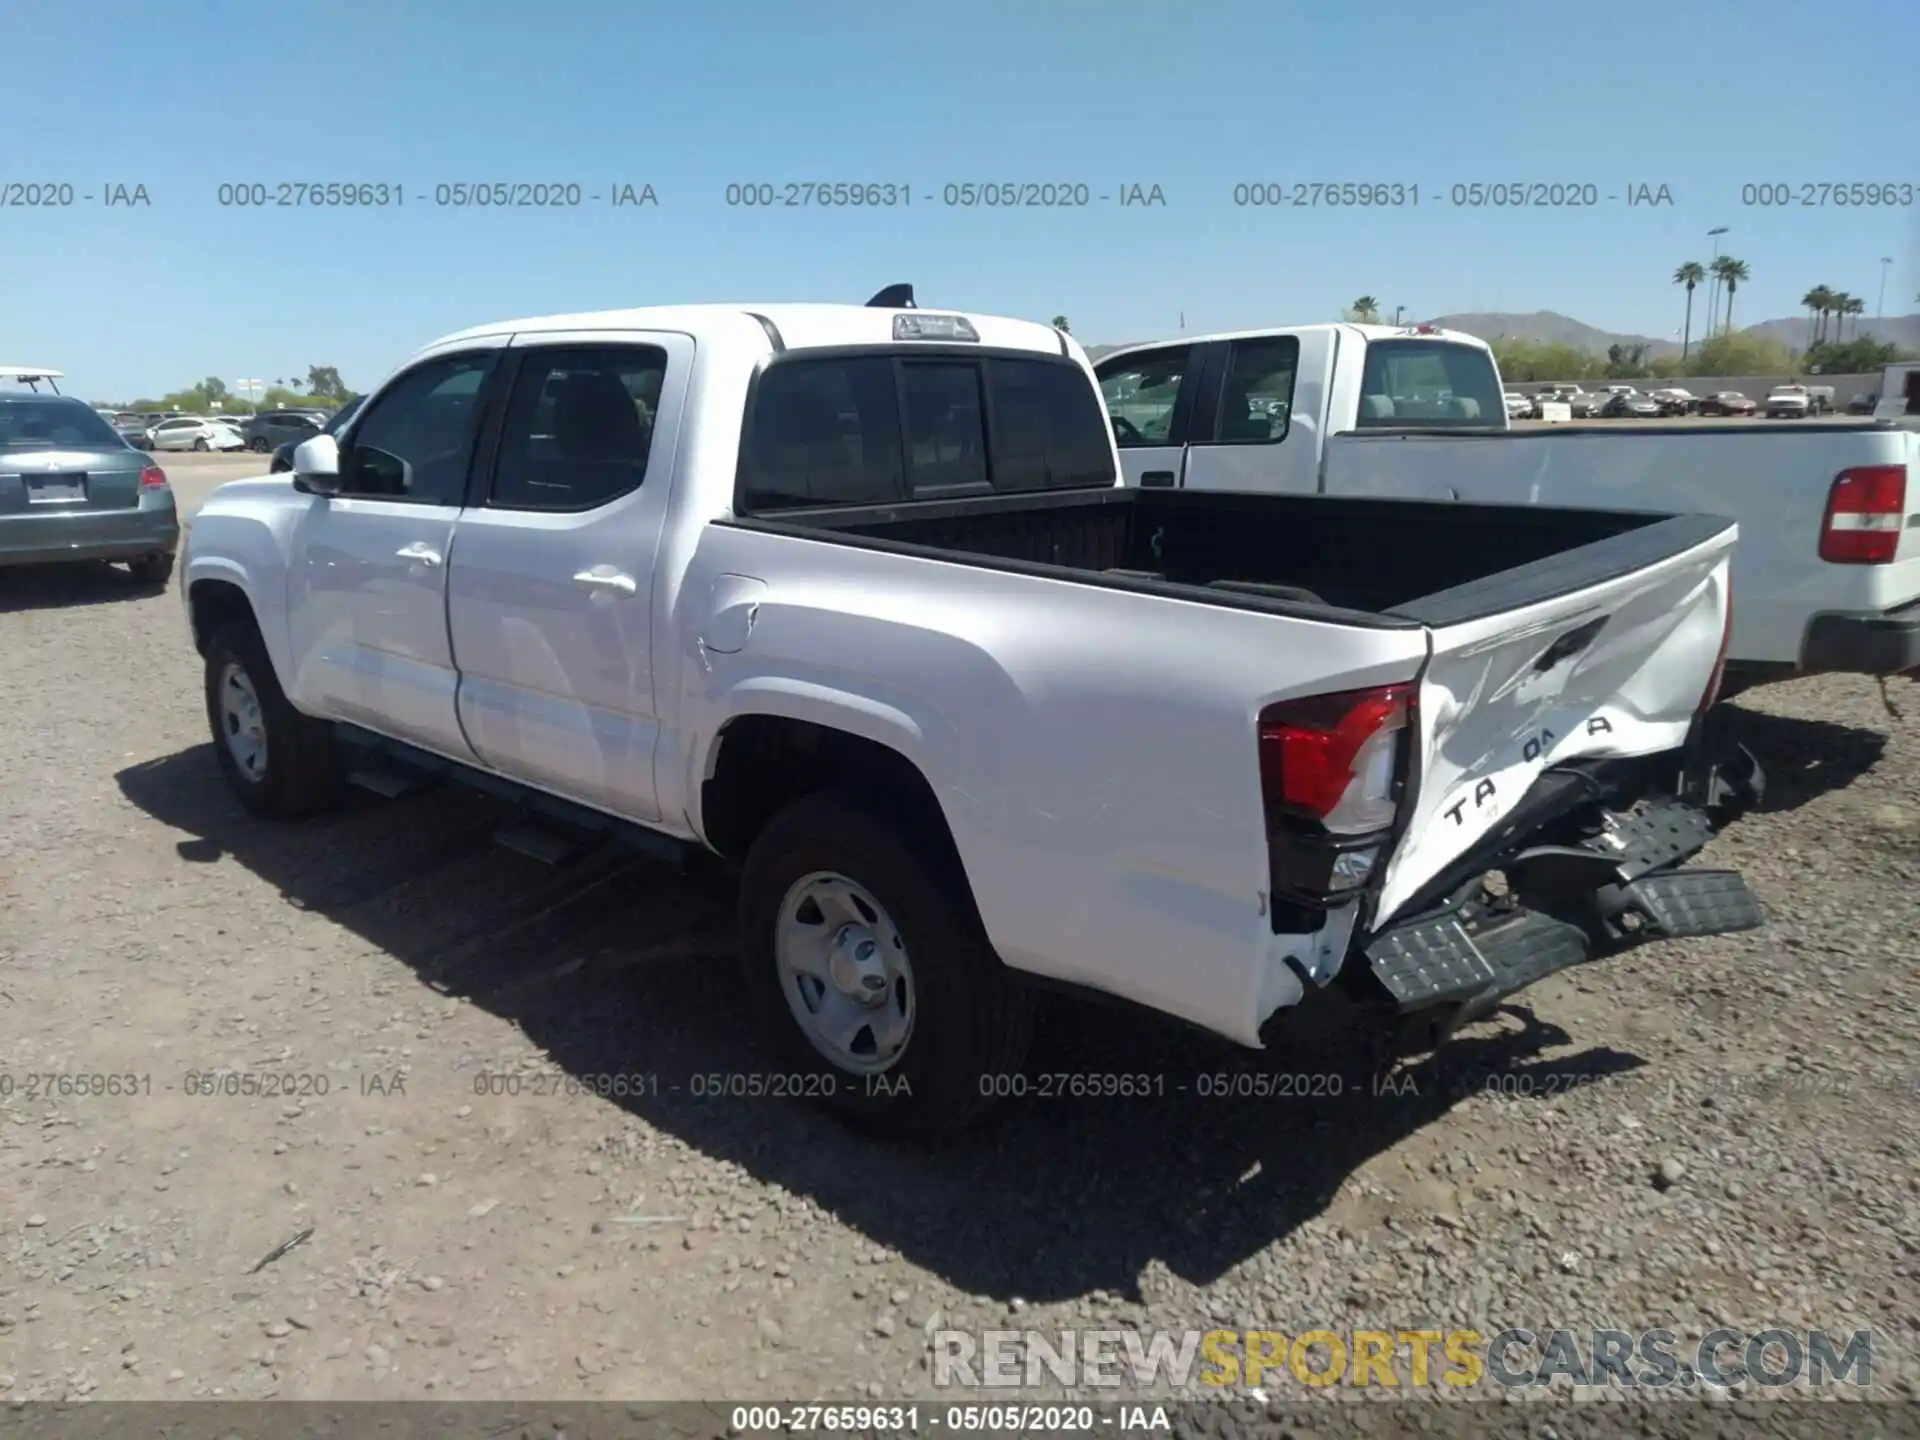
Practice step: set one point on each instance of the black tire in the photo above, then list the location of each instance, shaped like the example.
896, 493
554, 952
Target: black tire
152, 569
973, 1019
201, 444
258, 446
299, 777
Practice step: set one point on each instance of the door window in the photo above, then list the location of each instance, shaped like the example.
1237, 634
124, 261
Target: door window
578, 428
1256, 398
1141, 392
416, 440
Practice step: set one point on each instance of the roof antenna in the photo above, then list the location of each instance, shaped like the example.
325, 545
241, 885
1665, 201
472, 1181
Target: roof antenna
894, 297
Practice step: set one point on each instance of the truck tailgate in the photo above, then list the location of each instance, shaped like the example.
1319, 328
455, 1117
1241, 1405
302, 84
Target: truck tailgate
1615, 664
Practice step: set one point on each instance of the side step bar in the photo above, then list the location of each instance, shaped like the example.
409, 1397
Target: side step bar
547, 828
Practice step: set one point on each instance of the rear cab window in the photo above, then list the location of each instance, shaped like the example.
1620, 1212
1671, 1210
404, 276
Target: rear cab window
879, 427
1430, 384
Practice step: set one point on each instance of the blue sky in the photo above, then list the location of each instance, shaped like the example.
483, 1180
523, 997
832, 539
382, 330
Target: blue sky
1193, 97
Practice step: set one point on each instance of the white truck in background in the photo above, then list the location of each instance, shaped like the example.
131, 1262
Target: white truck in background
852, 598
1827, 574
1899, 392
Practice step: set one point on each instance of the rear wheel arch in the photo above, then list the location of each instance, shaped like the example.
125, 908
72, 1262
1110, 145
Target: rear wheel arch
760, 764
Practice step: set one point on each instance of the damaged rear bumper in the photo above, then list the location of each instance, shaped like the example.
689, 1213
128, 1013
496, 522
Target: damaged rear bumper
1564, 905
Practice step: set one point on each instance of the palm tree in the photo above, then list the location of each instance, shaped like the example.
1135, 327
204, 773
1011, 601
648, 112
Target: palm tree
1690, 274
1730, 272
1060, 324
1816, 301
1366, 309
1838, 303
1856, 307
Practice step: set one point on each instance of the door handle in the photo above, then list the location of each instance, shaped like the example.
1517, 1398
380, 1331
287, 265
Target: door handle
606, 579
1160, 479
424, 553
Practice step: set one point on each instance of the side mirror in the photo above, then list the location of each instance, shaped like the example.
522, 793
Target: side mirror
316, 466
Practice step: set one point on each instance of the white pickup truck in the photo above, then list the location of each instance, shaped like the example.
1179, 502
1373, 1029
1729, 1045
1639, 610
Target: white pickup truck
1827, 575
853, 596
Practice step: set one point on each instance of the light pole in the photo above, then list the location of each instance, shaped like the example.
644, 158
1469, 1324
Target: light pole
1398, 311
1713, 290
1880, 309
248, 387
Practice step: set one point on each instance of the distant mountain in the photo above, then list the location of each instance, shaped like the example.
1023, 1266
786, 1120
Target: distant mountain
1548, 327
1901, 330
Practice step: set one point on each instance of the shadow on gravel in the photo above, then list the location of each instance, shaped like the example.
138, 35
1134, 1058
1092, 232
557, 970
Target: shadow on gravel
55, 587
1804, 759
616, 966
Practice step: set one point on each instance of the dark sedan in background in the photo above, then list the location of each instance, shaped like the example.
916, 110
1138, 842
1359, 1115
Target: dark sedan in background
72, 489
271, 429
283, 456
1727, 402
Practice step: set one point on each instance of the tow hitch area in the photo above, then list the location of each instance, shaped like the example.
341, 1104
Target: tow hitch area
1563, 905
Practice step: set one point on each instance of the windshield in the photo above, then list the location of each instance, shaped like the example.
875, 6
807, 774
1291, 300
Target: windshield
53, 424
343, 415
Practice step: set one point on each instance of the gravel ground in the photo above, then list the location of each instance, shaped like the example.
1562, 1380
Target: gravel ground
1698, 1134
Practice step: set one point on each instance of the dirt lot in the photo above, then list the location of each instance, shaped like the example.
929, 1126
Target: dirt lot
1708, 1133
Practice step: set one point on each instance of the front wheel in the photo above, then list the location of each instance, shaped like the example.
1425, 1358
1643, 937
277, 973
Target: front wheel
201, 444
871, 973
257, 446
278, 761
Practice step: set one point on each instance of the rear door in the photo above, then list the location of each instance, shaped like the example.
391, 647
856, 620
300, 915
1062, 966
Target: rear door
1256, 423
1609, 661
551, 592
1150, 397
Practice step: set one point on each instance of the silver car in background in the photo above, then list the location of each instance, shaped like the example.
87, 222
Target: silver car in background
195, 432
73, 489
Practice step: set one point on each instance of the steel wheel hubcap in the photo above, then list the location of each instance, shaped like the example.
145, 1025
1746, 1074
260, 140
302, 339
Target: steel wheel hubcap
845, 973
242, 725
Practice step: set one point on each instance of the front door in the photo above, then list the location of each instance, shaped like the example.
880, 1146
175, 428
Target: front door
552, 590
1144, 391
368, 568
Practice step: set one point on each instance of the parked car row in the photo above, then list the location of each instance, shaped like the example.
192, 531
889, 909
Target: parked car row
261, 433
1615, 402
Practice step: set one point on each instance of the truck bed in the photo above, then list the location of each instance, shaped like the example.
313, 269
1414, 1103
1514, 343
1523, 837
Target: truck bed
1391, 562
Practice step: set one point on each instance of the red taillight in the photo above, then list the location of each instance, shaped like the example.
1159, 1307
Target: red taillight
1866, 511
152, 478
1333, 758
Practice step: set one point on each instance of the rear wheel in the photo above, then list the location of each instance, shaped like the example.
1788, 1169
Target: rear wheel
257, 445
871, 973
278, 761
201, 444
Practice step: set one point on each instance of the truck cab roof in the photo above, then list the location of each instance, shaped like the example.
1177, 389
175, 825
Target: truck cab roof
1346, 329
787, 327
